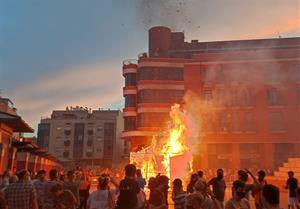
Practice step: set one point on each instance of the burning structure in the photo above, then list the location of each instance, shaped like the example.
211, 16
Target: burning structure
248, 92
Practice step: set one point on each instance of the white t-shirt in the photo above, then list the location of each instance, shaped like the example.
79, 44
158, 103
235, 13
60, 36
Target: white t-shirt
99, 199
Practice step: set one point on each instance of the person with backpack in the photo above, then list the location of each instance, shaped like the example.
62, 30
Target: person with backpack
129, 189
104, 197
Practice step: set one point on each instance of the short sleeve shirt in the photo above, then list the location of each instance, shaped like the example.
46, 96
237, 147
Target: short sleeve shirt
293, 184
100, 199
234, 204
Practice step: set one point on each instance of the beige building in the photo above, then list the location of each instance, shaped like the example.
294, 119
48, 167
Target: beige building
84, 137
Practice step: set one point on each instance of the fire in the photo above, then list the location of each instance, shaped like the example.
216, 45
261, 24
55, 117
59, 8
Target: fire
175, 139
170, 154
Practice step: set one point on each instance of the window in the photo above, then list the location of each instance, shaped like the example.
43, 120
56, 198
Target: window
274, 97
235, 98
236, 122
205, 75
130, 100
249, 122
223, 122
165, 73
209, 126
99, 138
276, 122
248, 97
66, 154
67, 143
208, 95
90, 132
160, 96
154, 119
98, 150
219, 74
67, 132
89, 142
222, 97
130, 79
129, 123
89, 154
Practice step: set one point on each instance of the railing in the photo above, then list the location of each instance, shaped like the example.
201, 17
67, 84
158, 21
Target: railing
130, 61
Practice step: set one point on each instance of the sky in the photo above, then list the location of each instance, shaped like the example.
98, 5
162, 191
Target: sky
58, 53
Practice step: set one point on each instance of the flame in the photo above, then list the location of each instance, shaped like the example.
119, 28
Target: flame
173, 145
176, 143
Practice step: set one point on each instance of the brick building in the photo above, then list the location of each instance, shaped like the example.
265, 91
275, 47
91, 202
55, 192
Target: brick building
253, 87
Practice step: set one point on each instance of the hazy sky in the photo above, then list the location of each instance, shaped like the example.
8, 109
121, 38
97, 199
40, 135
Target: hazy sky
56, 53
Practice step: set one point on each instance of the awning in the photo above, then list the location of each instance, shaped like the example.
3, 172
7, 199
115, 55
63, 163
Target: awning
15, 122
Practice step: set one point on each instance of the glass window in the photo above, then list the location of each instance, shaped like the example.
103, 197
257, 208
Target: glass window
130, 79
154, 119
235, 97
222, 97
236, 122
276, 121
249, 122
205, 74
223, 122
248, 97
130, 100
160, 96
129, 123
67, 132
274, 97
165, 73
208, 95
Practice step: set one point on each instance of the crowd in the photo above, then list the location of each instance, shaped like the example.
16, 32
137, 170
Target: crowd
71, 190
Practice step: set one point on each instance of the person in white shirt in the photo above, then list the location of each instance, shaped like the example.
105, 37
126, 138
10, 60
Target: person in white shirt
104, 197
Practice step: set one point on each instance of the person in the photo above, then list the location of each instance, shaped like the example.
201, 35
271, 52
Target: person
48, 200
3, 204
243, 176
219, 186
201, 176
140, 179
190, 187
201, 198
5, 179
63, 199
129, 189
158, 198
178, 195
104, 197
270, 197
72, 186
257, 187
22, 194
291, 184
84, 190
238, 201
38, 184
298, 197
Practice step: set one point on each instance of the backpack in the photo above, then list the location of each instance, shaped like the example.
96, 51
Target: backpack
128, 195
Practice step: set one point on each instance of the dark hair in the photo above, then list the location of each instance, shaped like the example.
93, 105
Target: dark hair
200, 173
160, 180
138, 172
151, 183
194, 178
238, 184
41, 172
70, 173
56, 188
177, 183
53, 173
291, 172
21, 174
220, 170
261, 173
130, 170
243, 176
271, 194
103, 181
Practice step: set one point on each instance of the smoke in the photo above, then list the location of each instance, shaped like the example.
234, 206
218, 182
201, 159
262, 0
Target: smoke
170, 13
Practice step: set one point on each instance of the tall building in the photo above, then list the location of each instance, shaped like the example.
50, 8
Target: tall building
253, 87
78, 136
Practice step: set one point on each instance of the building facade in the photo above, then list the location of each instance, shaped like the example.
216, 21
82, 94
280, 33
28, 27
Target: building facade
251, 86
83, 137
17, 152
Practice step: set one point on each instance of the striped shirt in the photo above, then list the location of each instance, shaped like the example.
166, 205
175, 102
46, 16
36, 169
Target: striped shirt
179, 200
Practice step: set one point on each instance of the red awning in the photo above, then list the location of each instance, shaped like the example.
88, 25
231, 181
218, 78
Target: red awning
15, 122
